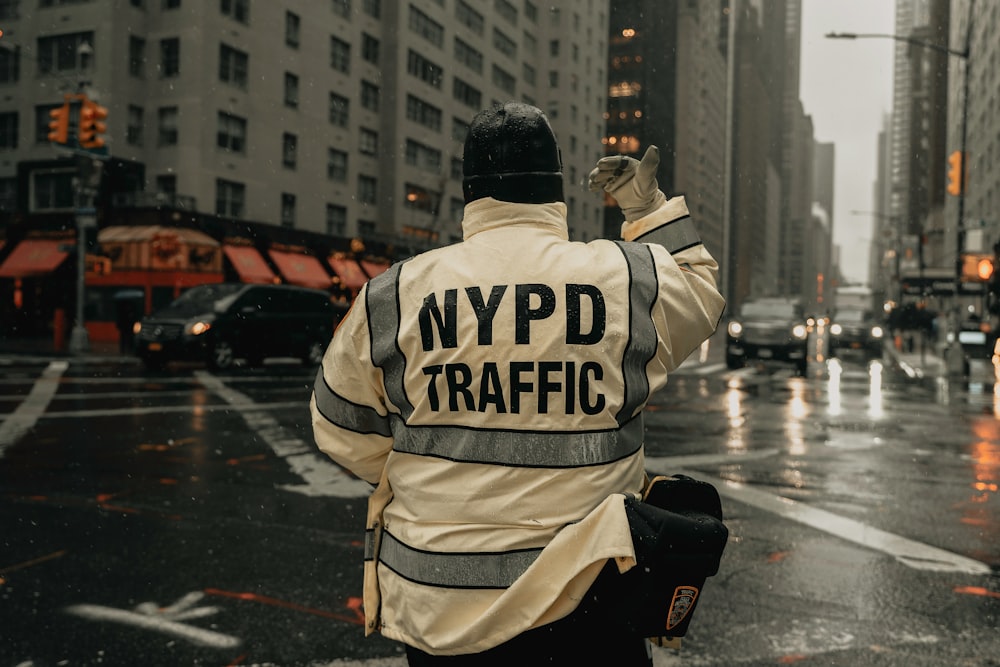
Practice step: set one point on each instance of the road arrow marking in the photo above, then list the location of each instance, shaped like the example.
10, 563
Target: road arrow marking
166, 620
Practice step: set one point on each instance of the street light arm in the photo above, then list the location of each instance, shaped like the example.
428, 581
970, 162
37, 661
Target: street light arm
964, 54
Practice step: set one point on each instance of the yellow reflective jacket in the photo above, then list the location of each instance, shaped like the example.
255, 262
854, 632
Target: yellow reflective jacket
493, 390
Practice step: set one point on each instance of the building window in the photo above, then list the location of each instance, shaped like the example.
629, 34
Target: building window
466, 94
52, 190
421, 199
341, 8
61, 53
238, 10
423, 113
8, 194
340, 55
8, 130
291, 90
339, 110
166, 184
167, 126
229, 198
10, 64
137, 57
369, 96
368, 142
506, 10
292, 25
554, 48
504, 44
528, 74
530, 11
336, 220
289, 150
170, 57
456, 168
369, 48
133, 126
171, 4
233, 66
426, 27
287, 209
367, 189
503, 80
468, 56
366, 228
426, 158
372, 7
10, 9
424, 69
336, 165
232, 133
459, 129
469, 17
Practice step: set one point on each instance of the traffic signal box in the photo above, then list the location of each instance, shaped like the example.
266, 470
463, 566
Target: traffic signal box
78, 123
92, 125
955, 175
59, 125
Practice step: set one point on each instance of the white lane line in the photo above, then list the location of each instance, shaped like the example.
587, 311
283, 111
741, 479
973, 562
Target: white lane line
913, 554
23, 418
322, 476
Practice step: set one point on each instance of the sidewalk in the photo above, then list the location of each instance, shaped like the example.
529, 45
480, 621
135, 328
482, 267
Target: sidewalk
26, 348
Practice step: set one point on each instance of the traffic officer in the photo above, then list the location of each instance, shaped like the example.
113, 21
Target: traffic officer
492, 393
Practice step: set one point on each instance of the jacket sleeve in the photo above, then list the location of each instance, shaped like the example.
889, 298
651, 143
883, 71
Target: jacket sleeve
689, 305
349, 415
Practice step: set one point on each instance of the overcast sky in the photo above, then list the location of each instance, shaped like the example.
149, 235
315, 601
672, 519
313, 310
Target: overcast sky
846, 86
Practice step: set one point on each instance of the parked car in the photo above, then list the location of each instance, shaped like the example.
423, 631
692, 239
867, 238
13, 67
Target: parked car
220, 323
855, 330
768, 329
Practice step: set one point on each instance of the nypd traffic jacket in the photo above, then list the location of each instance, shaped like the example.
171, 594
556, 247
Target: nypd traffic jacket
492, 392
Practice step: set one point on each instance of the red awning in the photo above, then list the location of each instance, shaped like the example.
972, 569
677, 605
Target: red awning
374, 268
249, 264
351, 275
33, 257
299, 269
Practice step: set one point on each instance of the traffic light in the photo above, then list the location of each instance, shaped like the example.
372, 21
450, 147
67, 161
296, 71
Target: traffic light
92, 124
59, 125
955, 174
978, 267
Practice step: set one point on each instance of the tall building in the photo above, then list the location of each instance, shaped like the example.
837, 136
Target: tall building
667, 86
343, 118
325, 128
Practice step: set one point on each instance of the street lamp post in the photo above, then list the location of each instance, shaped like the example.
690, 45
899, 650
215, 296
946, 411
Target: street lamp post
962, 53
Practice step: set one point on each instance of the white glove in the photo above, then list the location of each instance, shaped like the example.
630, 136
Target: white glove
631, 182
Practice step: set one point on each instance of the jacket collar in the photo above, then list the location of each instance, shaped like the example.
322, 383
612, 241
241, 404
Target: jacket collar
487, 214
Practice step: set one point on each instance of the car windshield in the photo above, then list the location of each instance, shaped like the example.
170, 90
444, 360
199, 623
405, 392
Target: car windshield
201, 299
852, 316
777, 310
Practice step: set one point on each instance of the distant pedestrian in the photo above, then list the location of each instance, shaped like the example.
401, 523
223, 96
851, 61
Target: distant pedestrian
126, 314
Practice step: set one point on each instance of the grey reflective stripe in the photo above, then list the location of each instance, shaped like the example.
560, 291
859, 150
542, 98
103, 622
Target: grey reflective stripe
675, 236
369, 544
642, 292
455, 570
382, 302
529, 449
343, 413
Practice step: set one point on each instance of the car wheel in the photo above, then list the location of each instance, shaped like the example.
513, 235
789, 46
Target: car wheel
734, 361
221, 355
152, 363
314, 354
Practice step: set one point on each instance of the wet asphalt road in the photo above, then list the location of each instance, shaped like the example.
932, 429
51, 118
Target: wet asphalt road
184, 518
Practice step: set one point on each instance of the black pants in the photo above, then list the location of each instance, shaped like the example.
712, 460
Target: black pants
588, 636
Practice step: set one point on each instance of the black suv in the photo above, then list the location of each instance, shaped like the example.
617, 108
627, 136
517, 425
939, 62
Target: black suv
854, 330
771, 329
222, 322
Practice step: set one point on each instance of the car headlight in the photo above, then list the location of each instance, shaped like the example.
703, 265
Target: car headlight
877, 332
735, 329
836, 329
197, 327
800, 331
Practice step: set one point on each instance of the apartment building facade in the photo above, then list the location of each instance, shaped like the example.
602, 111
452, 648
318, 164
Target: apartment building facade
344, 117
